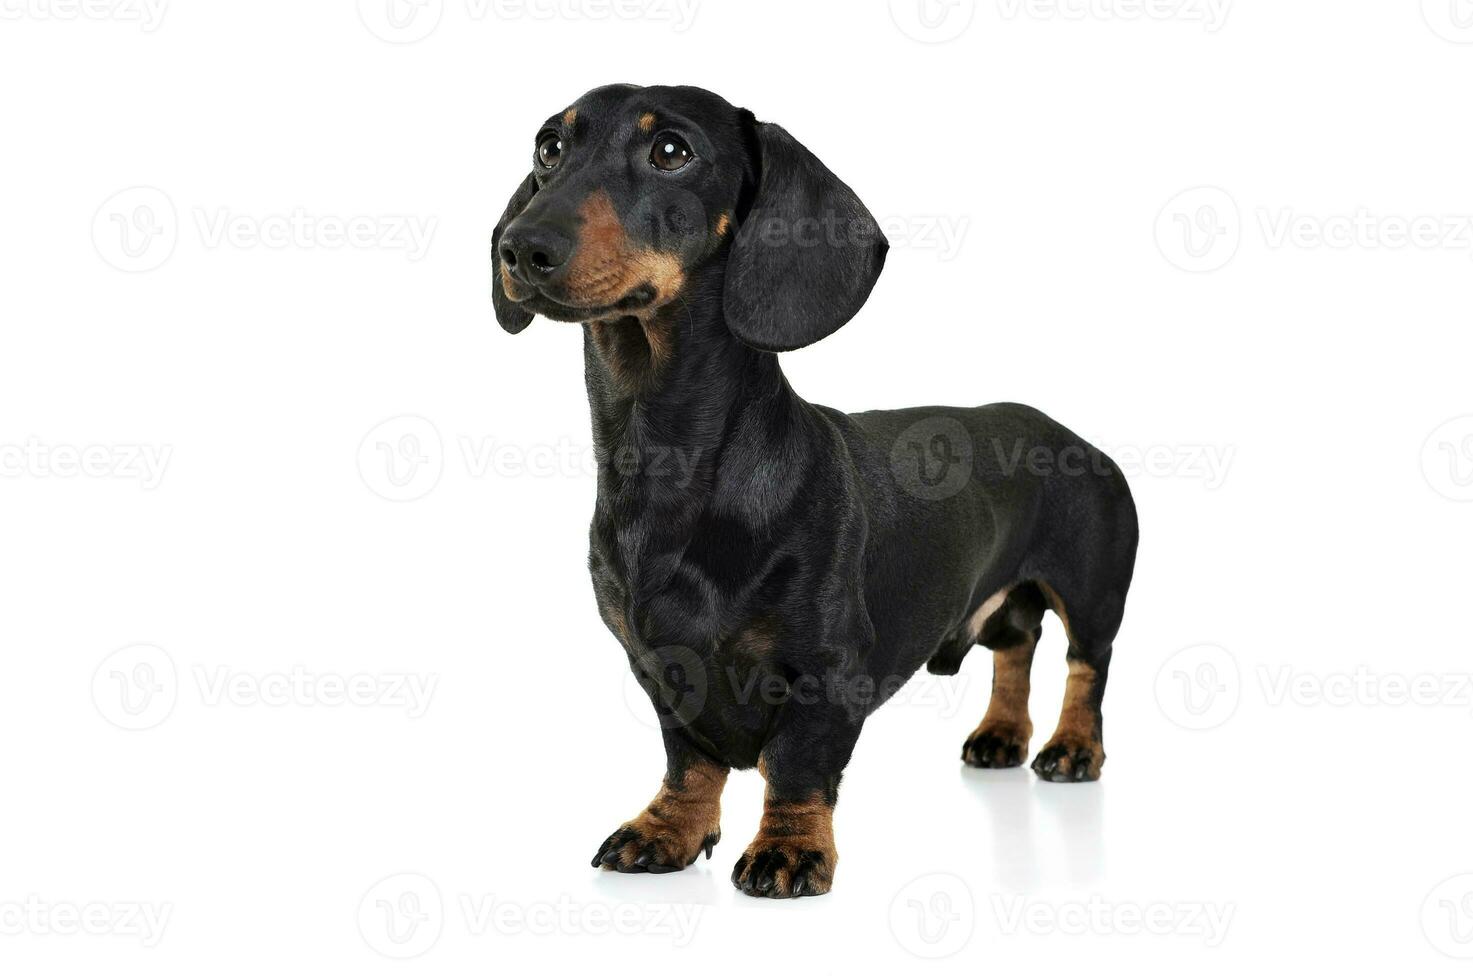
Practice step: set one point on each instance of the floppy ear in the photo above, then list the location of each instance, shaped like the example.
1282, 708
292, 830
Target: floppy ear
513, 318
807, 254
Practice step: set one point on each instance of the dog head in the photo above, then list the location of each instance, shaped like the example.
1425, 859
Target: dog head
633, 191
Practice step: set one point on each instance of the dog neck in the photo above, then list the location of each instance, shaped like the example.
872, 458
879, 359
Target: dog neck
688, 423
667, 388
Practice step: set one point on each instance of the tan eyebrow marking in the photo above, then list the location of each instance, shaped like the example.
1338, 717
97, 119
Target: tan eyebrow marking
570, 117
647, 121
723, 223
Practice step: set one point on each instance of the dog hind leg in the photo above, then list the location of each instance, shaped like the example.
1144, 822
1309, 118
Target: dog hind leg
1000, 741
1076, 751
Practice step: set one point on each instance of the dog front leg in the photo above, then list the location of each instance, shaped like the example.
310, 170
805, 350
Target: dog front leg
793, 853
682, 820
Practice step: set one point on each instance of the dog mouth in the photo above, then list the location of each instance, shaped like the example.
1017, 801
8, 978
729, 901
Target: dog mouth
553, 307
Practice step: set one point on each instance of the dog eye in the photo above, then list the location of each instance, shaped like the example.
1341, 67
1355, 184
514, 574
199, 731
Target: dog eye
549, 151
670, 152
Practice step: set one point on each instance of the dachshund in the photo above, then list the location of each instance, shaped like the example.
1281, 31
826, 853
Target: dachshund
801, 563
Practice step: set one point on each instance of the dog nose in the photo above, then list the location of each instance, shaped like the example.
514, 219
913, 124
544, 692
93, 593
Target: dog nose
534, 254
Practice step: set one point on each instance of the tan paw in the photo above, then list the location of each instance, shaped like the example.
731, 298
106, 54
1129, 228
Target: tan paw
647, 844
996, 746
1070, 759
785, 868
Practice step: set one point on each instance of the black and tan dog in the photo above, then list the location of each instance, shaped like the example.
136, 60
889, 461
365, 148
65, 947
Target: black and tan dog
774, 589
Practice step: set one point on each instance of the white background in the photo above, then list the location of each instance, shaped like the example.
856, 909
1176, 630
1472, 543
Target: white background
1150, 207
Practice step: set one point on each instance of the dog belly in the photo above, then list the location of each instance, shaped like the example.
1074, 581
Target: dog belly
963, 503
916, 609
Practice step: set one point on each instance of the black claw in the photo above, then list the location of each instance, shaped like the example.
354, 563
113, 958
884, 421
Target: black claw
611, 846
757, 874
992, 752
800, 877
1060, 764
761, 873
